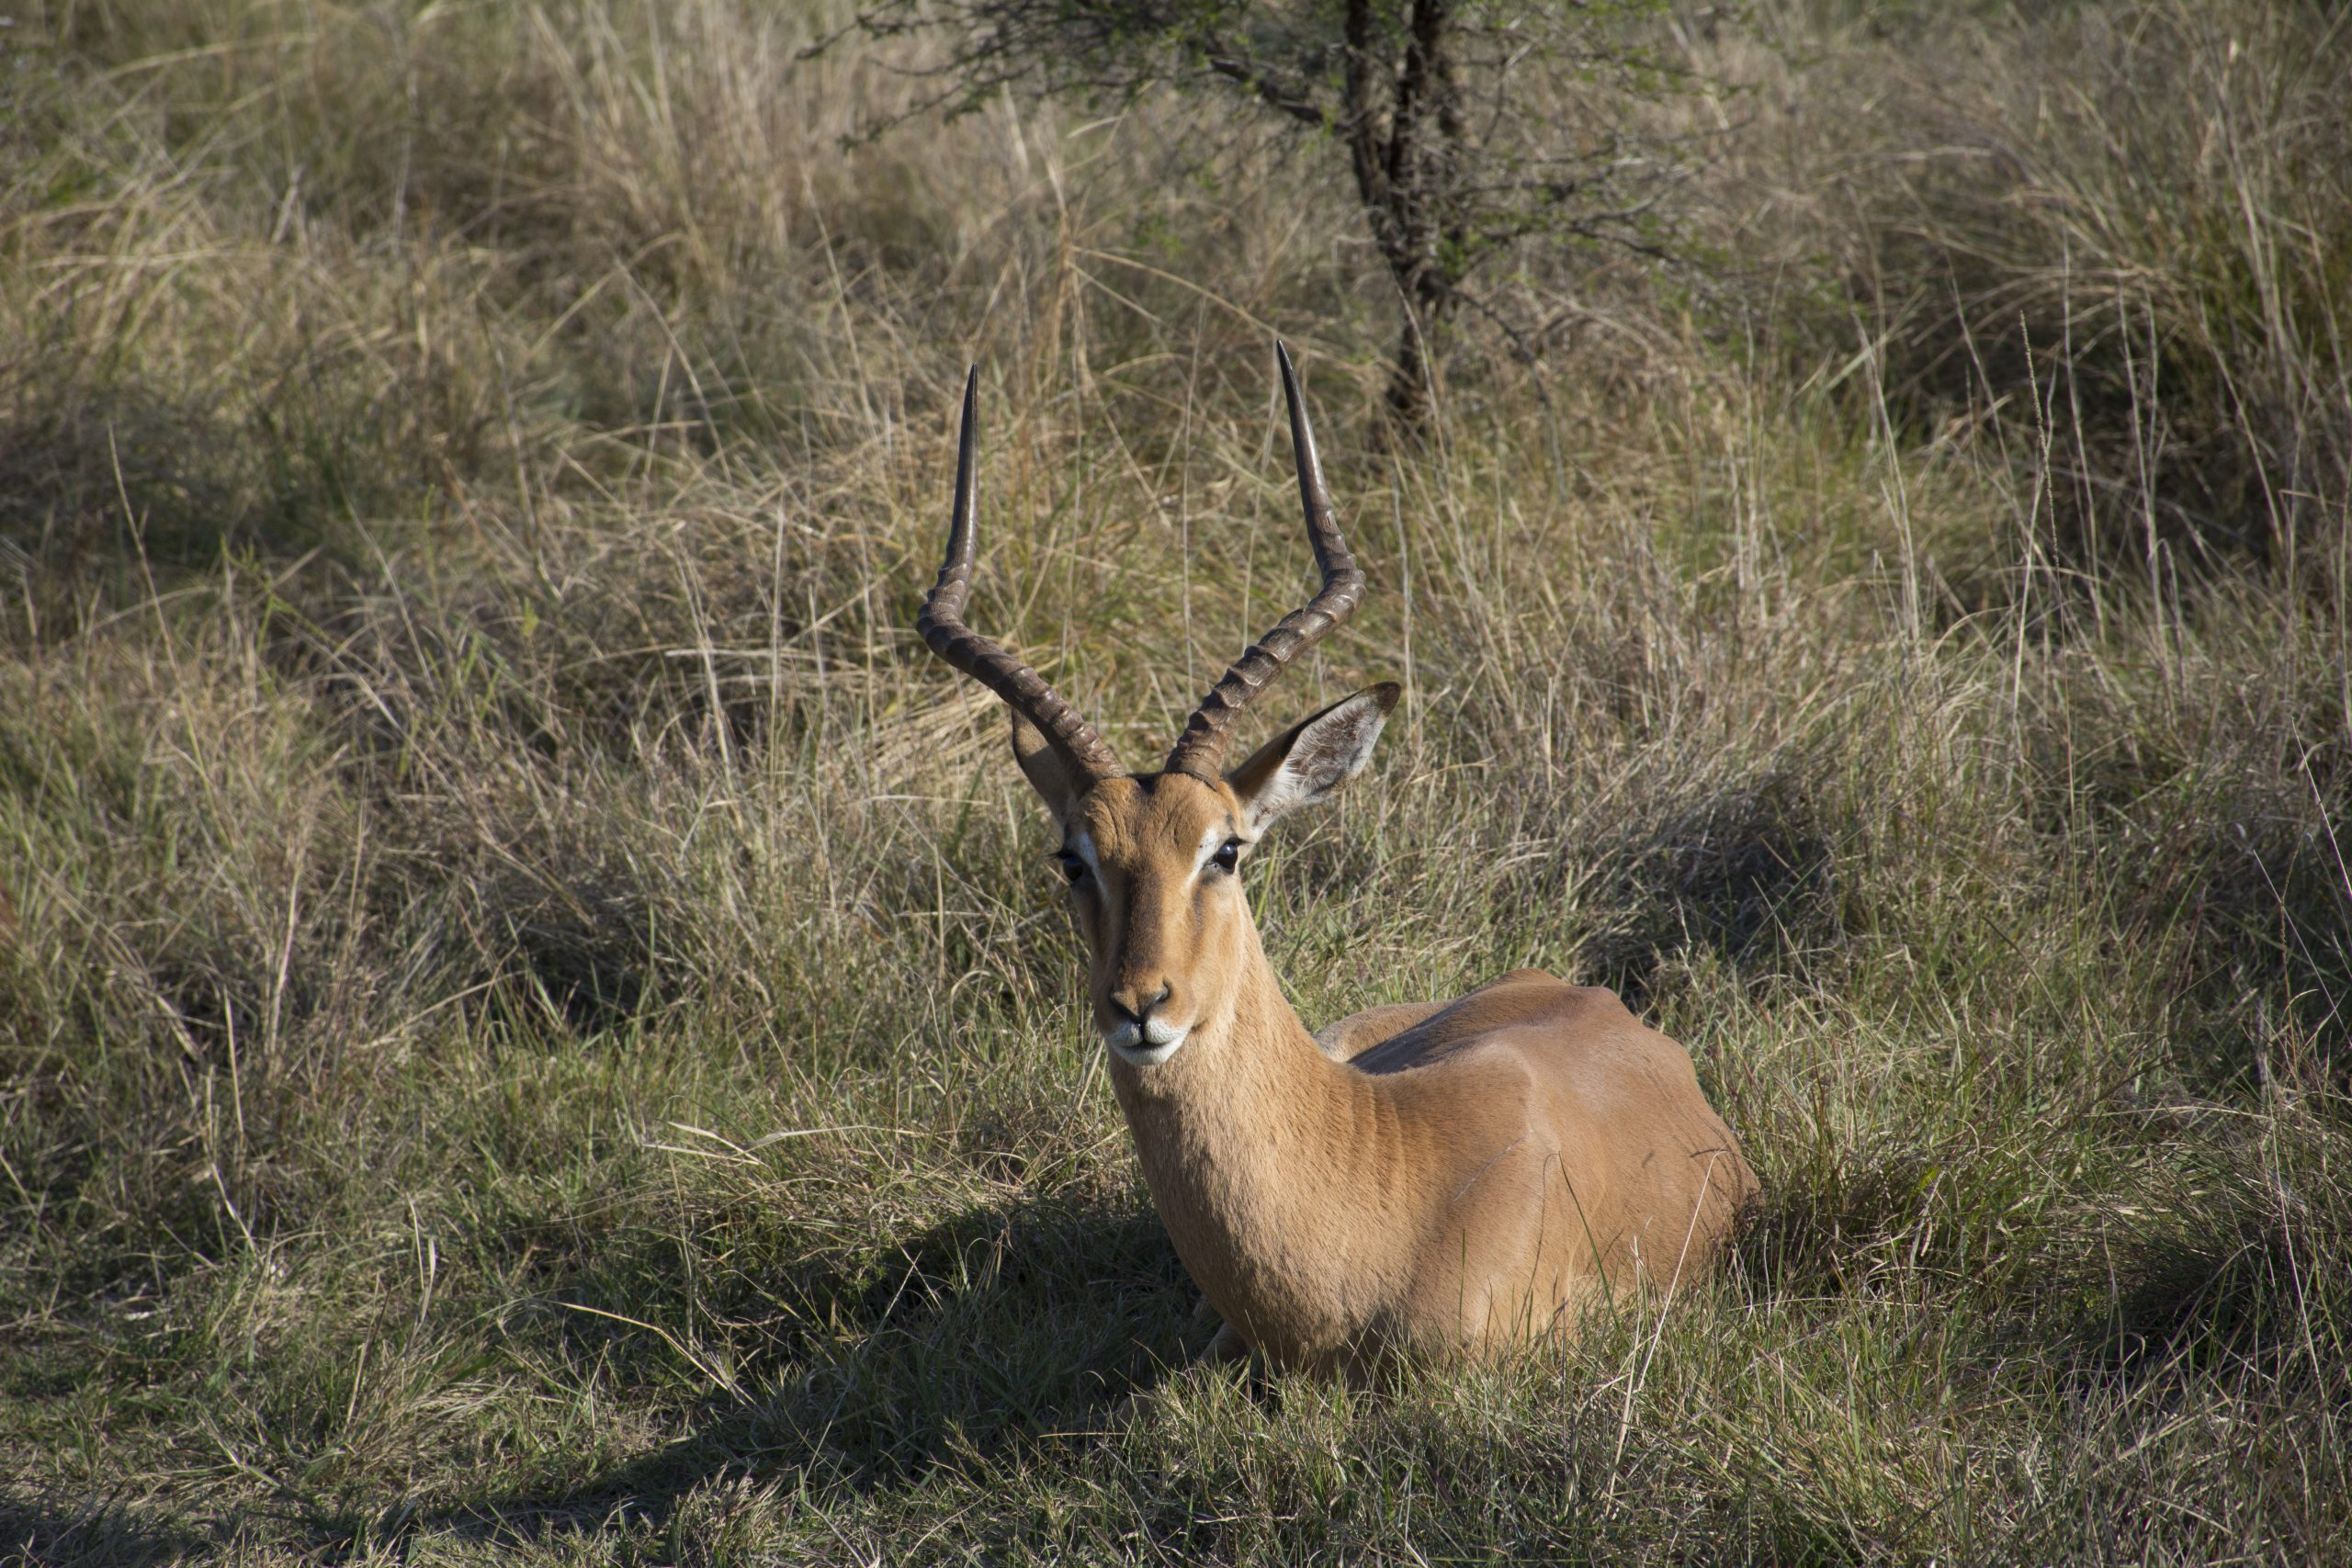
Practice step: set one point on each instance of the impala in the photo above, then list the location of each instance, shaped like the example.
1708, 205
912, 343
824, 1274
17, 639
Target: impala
1416, 1179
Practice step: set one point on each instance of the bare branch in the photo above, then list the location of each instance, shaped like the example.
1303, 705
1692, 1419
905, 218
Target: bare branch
1458, 117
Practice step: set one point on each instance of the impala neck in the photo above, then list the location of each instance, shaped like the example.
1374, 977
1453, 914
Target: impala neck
1251, 1138
1239, 1072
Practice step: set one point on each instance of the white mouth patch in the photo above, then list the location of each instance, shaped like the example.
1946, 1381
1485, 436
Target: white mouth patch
1147, 1046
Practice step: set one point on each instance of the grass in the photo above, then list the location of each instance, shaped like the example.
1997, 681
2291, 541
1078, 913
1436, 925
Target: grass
533, 1015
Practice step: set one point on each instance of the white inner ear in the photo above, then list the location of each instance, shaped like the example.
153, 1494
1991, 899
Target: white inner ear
1327, 753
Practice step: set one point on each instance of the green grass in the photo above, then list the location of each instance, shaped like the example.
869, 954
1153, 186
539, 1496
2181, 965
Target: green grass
536, 1022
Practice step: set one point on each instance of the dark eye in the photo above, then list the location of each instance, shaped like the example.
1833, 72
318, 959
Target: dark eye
1073, 867
1227, 856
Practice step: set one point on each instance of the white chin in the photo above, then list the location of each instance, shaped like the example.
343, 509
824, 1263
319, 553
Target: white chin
1149, 1047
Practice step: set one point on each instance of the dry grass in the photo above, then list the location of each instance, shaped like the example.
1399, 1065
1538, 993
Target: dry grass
534, 1022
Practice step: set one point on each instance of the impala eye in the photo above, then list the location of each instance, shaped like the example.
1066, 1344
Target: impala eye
1073, 867
1227, 856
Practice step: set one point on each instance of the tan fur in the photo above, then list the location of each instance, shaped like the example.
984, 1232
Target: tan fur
1423, 1178
1427, 1178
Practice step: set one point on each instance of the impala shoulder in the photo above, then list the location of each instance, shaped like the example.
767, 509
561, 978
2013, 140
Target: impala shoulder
1489, 1101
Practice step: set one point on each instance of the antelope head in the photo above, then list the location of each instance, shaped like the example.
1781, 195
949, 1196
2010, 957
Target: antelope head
1152, 859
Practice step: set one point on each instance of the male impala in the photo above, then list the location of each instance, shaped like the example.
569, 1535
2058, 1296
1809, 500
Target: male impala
1417, 1179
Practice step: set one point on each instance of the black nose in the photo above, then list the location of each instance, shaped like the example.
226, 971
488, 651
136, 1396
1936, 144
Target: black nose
1140, 1014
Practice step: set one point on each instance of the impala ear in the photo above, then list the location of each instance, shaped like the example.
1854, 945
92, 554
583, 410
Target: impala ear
1313, 757
1048, 774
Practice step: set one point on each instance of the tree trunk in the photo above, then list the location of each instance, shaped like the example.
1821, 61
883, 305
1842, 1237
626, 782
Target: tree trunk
1406, 137
1407, 400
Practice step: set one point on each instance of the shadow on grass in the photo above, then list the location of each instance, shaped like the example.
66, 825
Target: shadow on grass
1747, 873
1008, 1325
57, 1533
2245, 1293
2215, 1271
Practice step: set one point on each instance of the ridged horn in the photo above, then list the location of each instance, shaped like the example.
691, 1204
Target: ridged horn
985, 660
1200, 750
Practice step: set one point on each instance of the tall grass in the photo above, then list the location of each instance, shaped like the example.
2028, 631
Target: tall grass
534, 1019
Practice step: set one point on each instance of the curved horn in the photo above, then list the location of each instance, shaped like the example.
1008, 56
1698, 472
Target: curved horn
1200, 750
942, 624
